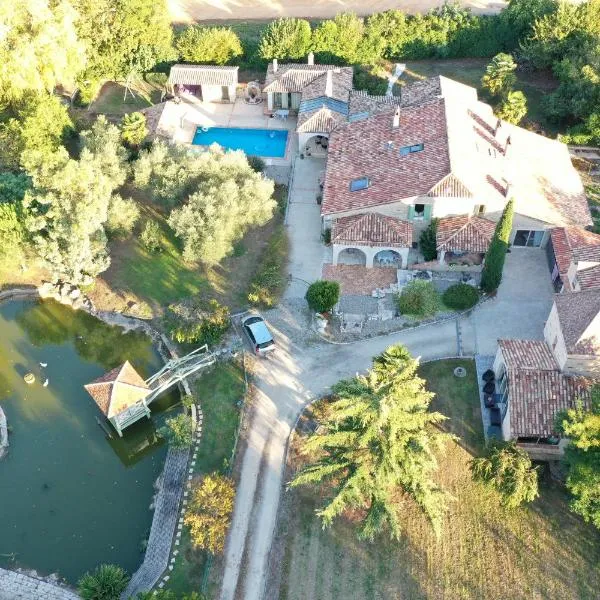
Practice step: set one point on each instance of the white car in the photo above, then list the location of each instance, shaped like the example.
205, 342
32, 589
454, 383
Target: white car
259, 335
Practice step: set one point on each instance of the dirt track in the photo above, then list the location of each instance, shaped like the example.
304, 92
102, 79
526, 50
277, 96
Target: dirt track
185, 11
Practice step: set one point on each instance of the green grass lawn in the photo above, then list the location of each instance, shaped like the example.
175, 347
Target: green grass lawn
485, 551
219, 392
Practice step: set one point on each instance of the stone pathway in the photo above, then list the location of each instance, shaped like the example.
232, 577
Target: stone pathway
16, 586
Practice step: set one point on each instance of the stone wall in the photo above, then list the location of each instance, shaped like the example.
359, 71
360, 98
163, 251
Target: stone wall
18, 586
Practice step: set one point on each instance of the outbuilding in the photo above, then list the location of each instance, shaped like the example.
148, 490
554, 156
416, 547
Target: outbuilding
208, 83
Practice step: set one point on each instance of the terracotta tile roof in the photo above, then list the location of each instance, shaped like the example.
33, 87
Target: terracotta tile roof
529, 355
370, 148
536, 397
464, 234
579, 321
360, 102
298, 77
574, 244
589, 278
118, 389
203, 75
537, 389
485, 157
372, 229
355, 280
321, 120
332, 82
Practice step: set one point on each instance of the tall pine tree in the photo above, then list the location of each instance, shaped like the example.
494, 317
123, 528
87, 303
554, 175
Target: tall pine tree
375, 446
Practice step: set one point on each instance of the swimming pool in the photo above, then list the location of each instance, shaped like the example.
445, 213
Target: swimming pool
270, 143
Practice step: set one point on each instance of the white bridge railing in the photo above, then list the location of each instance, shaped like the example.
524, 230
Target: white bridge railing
178, 369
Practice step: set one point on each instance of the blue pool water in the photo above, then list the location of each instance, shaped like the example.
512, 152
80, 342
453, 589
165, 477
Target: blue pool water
269, 143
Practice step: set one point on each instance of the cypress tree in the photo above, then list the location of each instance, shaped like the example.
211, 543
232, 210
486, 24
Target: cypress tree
491, 275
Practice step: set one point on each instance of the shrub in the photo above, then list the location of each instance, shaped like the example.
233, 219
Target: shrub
178, 431
199, 322
513, 107
460, 296
285, 38
123, 214
213, 45
209, 512
87, 92
107, 582
491, 275
419, 299
269, 280
323, 295
151, 237
257, 163
428, 241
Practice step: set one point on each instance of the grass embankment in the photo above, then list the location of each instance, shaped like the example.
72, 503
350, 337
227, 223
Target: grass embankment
219, 393
485, 551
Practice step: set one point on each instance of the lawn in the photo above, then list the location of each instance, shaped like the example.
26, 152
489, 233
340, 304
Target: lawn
219, 392
485, 551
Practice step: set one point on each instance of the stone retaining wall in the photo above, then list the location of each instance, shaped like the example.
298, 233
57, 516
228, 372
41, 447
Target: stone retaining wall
17, 586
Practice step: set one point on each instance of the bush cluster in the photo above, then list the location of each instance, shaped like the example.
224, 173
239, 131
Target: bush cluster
460, 296
198, 322
418, 299
323, 295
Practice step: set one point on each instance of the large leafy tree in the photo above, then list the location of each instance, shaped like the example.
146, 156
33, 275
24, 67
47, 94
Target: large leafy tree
582, 456
122, 36
285, 38
508, 469
341, 36
41, 124
375, 446
209, 512
133, 129
39, 47
213, 45
513, 107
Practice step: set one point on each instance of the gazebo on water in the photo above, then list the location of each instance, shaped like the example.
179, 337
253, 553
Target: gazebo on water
121, 395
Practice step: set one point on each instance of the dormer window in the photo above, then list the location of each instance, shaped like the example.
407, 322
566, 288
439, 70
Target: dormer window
406, 150
362, 183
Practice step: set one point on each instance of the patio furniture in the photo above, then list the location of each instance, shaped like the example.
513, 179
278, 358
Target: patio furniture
282, 114
489, 387
489, 400
489, 375
495, 416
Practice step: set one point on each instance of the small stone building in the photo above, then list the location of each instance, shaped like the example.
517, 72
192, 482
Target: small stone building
208, 83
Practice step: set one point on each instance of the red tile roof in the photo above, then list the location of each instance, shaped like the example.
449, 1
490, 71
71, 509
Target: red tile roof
537, 389
370, 148
574, 244
372, 229
320, 120
577, 312
118, 389
464, 234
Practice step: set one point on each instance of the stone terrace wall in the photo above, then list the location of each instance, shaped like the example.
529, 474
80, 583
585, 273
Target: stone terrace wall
16, 586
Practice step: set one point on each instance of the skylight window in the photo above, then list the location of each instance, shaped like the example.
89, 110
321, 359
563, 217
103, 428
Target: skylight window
406, 150
362, 183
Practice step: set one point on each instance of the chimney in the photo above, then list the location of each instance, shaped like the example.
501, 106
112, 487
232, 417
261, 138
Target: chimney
396, 122
275, 66
311, 58
508, 189
507, 144
498, 125
329, 84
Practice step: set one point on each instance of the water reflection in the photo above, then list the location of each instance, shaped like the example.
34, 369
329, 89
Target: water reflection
72, 497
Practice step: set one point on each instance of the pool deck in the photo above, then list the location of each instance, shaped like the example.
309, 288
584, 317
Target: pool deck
178, 122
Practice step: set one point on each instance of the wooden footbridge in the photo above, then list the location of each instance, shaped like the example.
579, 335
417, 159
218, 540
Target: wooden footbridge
124, 397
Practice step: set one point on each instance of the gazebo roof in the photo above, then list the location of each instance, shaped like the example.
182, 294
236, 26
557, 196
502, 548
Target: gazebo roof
118, 389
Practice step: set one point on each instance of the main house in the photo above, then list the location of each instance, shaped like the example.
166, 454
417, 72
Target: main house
436, 151
535, 379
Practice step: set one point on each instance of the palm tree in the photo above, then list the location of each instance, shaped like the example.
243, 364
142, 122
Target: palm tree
375, 442
107, 582
133, 128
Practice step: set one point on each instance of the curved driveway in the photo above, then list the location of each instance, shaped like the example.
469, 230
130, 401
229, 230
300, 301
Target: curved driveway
285, 384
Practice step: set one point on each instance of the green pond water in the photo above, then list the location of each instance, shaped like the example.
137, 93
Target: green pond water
71, 497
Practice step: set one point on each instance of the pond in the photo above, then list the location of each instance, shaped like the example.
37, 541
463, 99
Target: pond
70, 496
